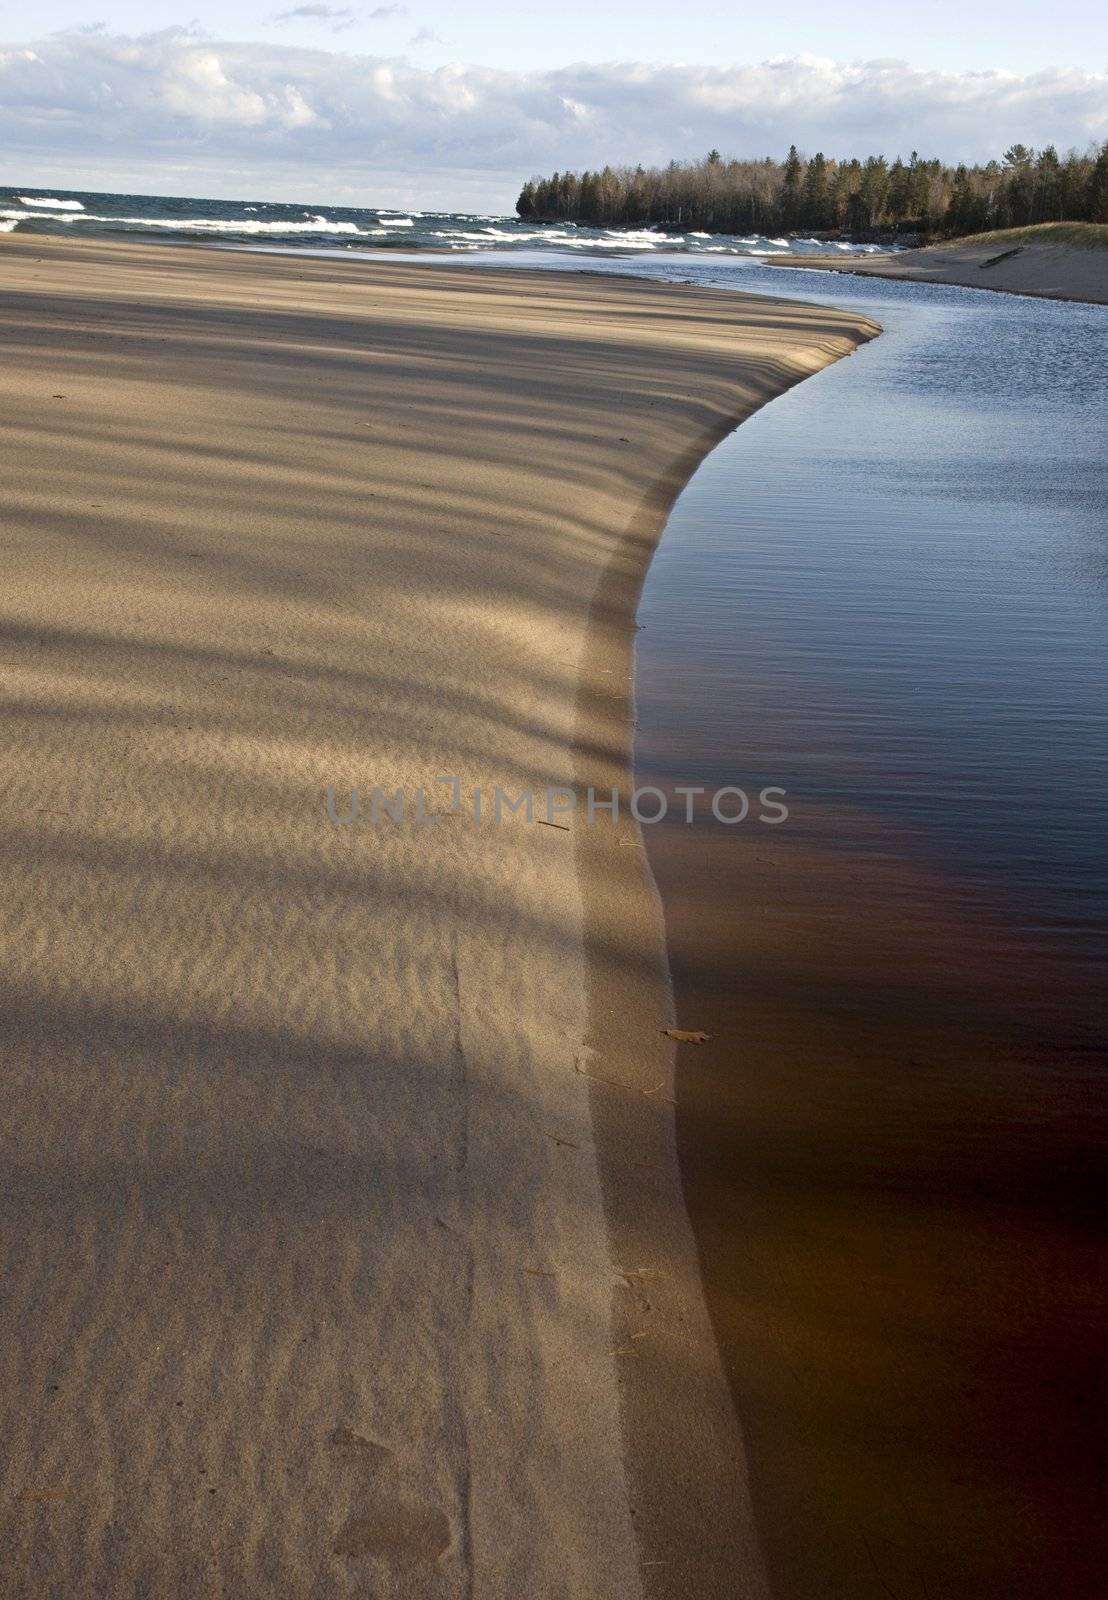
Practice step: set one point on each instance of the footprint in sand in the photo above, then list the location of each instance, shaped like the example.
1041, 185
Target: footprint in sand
383, 1524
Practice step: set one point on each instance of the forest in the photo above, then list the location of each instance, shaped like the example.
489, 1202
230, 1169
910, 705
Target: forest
870, 197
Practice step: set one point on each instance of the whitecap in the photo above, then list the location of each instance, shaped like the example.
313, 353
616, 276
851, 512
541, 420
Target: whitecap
318, 224
49, 202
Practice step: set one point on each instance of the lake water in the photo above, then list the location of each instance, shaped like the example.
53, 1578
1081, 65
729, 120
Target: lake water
887, 593
341, 229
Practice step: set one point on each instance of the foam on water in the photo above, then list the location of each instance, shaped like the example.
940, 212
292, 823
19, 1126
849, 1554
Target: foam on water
340, 227
52, 204
317, 224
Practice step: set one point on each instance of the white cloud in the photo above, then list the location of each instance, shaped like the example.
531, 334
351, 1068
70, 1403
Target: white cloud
310, 12
180, 111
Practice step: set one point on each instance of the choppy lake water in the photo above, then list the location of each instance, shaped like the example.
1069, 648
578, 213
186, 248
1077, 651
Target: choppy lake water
341, 229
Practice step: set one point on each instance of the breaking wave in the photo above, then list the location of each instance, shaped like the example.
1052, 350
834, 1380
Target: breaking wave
338, 227
50, 202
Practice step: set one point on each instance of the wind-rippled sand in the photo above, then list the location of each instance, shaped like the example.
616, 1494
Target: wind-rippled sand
309, 1285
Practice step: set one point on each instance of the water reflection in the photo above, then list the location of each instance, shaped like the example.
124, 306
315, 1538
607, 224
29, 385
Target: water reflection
886, 592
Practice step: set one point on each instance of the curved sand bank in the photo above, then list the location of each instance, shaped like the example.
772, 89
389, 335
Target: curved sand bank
309, 1288
1017, 264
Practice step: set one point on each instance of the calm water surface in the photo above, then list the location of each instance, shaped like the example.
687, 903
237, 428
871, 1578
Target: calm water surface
889, 591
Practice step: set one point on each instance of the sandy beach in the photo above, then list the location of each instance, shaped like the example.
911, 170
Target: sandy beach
344, 1246
1020, 265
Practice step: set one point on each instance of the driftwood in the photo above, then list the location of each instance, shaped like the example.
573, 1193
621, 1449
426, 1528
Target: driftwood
1003, 256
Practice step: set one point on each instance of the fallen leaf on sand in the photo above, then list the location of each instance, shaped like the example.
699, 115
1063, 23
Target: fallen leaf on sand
687, 1035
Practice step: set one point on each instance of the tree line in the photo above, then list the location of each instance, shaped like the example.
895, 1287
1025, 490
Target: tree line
820, 194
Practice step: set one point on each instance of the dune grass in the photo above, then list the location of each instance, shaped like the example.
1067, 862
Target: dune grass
1086, 235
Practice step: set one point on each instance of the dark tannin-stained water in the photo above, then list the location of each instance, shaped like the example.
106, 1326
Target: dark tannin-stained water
887, 593
901, 571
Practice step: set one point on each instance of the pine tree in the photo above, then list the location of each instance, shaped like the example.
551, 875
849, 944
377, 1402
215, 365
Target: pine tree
790, 189
900, 192
815, 206
1097, 201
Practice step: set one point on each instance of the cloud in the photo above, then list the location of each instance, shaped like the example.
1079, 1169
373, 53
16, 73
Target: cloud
312, 11
180, 110
425, 36
342, 16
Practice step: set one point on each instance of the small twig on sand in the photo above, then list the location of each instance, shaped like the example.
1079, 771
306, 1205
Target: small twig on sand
625, 1349
615, 1083
640, 1272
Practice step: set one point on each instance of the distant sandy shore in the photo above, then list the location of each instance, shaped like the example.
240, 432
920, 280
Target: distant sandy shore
1053, 271
344, 1245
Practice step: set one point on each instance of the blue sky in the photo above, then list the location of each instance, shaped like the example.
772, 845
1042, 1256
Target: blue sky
430, 104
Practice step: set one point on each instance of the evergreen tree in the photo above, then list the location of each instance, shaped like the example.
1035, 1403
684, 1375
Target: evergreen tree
874, 189
899, 200
1097, 202
816, 207
769, 196
791, 189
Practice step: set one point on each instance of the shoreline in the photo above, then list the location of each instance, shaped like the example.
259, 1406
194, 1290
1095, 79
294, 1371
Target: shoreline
1043, 271
369, 1058
898, 1101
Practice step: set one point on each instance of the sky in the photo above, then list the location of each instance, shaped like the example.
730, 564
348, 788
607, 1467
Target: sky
452, 106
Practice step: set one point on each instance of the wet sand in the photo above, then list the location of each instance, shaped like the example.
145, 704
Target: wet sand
309, 1284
